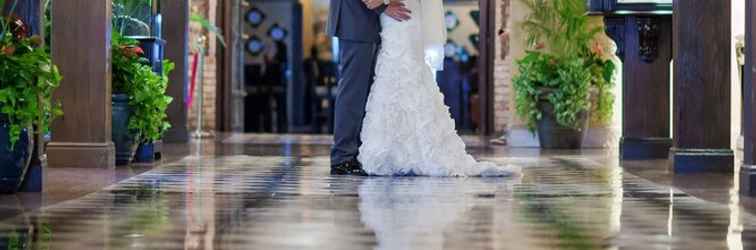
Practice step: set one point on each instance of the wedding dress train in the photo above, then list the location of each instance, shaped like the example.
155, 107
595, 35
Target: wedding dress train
407, 129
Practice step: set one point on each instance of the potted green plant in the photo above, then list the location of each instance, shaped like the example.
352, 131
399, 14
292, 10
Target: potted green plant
126, 60
139, 100
150, 103
27, 80
564, 76
141, 20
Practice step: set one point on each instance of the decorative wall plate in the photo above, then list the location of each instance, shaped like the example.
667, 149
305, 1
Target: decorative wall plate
630, 6
255, 17
451, 49
255, 46
463, 54
452, 21
277, 33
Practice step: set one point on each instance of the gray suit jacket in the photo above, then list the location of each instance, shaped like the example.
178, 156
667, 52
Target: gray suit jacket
352, 20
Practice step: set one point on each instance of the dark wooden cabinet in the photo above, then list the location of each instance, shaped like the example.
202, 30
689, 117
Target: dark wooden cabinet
619, 6
643, 34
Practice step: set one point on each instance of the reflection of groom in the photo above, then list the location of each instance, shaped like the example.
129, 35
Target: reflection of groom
357, 25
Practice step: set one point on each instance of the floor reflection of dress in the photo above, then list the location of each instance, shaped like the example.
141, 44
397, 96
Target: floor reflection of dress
417, 213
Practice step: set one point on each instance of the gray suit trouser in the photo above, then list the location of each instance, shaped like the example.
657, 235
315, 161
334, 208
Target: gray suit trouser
357, 69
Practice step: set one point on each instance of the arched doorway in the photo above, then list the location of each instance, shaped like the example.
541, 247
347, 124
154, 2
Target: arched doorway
473, 37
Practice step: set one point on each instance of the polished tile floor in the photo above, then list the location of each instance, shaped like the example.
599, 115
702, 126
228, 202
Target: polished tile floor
274, 192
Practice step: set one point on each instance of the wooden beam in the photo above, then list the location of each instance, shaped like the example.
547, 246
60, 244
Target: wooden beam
702, 86
235, 65
81, 49
486, 57
176, 34
230, 89
748, 169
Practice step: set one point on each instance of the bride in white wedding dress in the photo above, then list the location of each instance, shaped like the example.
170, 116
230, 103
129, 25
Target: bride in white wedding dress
408, 129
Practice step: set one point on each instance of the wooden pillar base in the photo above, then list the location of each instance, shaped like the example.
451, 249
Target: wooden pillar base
81, 155
176, 135
702, 160
644, 148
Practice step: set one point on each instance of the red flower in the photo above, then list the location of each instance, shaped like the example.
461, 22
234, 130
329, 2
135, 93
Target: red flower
8, 50
540, 46
132, 51
138, 50
596, 48
18, 27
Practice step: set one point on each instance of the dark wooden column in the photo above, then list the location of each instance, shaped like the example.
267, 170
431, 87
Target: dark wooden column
81, 49
487, 48
176, 34
231, 94
644, 44
296, 91
702, 86
748, 170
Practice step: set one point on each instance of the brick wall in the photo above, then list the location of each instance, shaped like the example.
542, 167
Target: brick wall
503, 68
206, 8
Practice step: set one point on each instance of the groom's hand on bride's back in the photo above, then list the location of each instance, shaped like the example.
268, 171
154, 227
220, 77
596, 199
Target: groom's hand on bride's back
395, 8
374, 4
398, 11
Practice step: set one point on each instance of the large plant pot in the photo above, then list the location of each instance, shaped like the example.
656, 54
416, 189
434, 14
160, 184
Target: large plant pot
145, 153
552, 135
13, 162
124, 141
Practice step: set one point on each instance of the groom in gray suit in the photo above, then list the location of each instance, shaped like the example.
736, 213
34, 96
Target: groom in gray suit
357, 25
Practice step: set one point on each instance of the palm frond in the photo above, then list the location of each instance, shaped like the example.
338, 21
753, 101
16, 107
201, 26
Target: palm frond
205, 24
560, 25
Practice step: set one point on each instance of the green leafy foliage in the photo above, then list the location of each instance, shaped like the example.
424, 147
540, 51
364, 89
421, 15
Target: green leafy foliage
205, 24
133, 76
149, 103
602, 76
565, 65
28, 78
14, 241
564, 83
47, 22
126, 60
559, 26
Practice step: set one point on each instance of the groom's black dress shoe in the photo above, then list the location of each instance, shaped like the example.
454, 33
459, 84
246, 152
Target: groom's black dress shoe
352, 167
